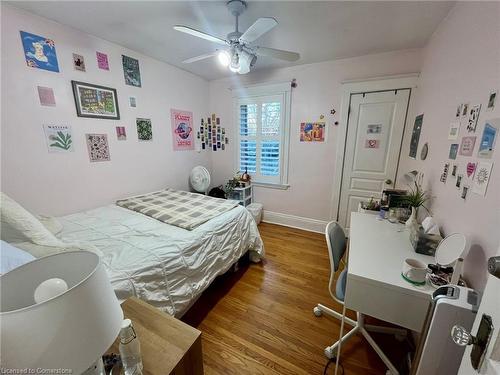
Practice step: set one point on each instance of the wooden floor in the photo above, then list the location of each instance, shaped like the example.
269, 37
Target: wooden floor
259, 320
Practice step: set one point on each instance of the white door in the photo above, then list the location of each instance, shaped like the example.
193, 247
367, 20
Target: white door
490, 305
374, 133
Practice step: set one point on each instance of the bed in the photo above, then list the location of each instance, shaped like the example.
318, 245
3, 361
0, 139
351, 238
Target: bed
164, 265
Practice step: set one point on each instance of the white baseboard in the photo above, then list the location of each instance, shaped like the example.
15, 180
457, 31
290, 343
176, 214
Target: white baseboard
292, 221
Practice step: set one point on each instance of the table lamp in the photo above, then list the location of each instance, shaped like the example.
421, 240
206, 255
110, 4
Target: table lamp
58, 312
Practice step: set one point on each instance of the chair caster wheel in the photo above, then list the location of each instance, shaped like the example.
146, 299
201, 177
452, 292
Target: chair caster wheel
317, 311
329, 352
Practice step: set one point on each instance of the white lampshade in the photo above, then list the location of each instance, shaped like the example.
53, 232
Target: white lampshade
69, 331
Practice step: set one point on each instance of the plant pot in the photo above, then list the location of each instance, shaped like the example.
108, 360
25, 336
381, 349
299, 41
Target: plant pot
412, 221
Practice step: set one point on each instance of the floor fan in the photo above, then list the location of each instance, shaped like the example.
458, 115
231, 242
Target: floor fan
199, 179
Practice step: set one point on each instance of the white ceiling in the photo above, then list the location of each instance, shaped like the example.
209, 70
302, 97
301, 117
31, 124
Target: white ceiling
318, 30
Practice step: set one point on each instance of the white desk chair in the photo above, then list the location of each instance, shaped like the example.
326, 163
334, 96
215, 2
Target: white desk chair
337, 246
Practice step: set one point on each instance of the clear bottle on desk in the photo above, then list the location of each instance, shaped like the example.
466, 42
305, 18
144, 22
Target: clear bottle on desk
130, 349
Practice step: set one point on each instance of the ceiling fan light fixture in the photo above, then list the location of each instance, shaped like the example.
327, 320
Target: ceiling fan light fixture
224, 58
235, 63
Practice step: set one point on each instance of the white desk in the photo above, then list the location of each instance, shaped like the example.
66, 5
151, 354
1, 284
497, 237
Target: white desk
377, 250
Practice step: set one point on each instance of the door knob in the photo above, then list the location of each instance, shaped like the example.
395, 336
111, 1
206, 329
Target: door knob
461, 336
388, 181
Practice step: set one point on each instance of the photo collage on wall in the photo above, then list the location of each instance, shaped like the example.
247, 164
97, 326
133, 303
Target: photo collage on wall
212, 135
471, 170
101, 102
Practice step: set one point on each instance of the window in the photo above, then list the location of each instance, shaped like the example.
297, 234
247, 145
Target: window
263, 121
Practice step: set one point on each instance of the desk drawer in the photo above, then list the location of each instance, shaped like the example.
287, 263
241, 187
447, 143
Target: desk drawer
387, 304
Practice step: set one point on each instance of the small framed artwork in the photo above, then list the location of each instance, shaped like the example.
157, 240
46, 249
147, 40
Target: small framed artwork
144, 129
482, 178
131, 71
454, 130
372, 143
46, 96
78, 62
121, 133
458, 113
132, 100
374, 129
59, 138
444, 175
491, 100
454, 170
465, 190
471, 169
465, 109
458, 183
415, 136
487, 144
97, 146
453, 151
95, 101
473, 117
467, 146
102, 60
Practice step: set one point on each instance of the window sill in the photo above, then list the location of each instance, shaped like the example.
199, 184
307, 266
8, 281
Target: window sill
271, 185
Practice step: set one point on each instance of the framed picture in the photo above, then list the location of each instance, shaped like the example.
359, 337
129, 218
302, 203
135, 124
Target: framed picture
415, 136
95, 101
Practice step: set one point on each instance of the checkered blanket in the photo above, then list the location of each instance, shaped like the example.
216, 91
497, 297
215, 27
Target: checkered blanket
179, 208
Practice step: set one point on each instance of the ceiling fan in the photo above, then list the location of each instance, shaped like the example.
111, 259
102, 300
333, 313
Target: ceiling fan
240, 55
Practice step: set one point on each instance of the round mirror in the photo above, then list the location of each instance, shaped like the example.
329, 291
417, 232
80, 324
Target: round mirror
424, 151
450, 249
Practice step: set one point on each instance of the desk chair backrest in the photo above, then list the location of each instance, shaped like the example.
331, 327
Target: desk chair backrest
337, 245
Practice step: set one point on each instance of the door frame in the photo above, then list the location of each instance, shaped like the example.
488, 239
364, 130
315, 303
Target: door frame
360, 86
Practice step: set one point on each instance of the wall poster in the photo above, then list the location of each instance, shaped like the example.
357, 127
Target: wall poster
59, 138
39, 52
488, 139
131, 71
415, 136
182, 130
97, 146
102, 60
312, 131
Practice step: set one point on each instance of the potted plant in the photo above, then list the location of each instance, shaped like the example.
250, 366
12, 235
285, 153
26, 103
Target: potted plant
416, 198
231, 184
370, 207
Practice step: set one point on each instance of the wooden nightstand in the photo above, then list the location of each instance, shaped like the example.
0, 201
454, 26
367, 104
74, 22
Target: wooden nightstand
168, 345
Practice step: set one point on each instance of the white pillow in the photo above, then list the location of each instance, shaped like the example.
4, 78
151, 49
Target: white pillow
25, 223
12, 257
39, 241
12, 235
51, 223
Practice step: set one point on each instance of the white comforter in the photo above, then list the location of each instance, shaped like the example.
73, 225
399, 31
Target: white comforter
166, 266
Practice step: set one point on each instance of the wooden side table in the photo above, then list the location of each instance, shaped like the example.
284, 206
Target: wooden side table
168, 346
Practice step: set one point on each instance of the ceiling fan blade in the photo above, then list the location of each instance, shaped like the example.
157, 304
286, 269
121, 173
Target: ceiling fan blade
259, 28
200, 57
199, 34
278, 53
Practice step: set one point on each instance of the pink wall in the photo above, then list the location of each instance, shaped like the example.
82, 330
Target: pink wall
461, 65
311, 166
54, 183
